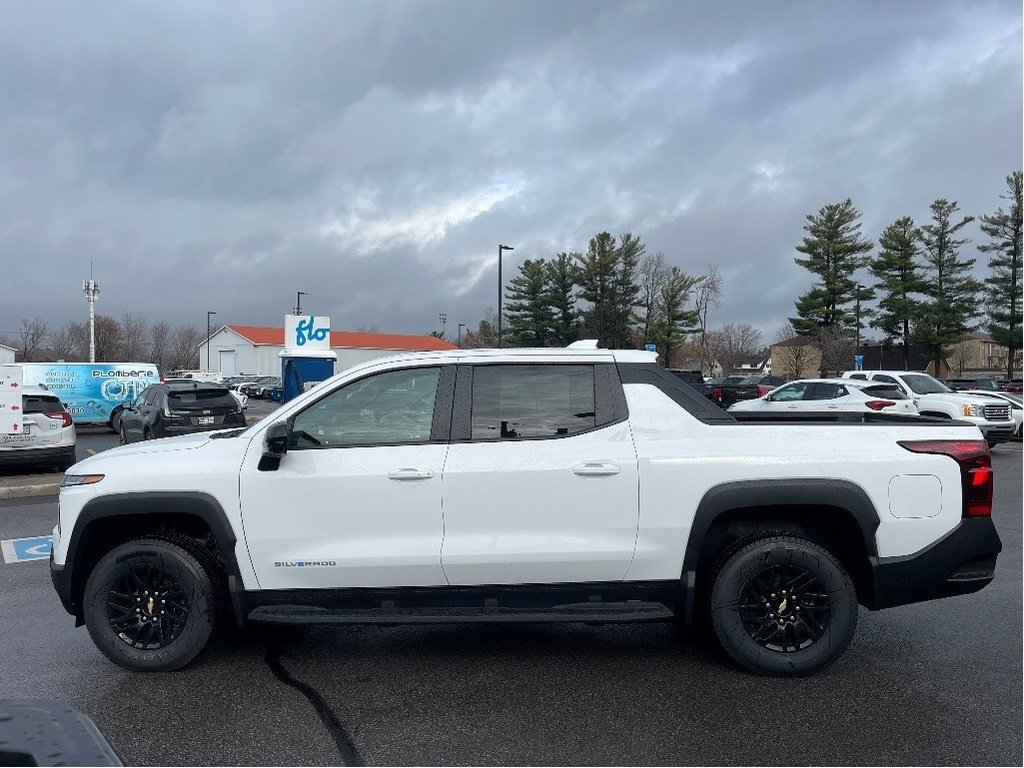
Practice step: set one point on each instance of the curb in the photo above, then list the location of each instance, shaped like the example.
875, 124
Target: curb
29, 486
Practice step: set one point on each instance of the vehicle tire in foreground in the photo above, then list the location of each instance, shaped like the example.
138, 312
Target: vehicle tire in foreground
783, 605
151, 605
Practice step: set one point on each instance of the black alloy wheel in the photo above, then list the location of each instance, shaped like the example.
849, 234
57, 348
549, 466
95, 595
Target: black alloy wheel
782, 605
147, 607
152, 605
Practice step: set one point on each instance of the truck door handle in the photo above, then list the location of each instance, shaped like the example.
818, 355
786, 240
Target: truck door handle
595, 469
410, 473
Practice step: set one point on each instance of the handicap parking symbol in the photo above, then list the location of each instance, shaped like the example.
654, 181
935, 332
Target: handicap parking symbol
23, 550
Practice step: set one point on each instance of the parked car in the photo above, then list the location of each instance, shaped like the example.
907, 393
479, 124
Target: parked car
974, 382
814, 395
46, 435
1016, 406
178, 408
745, 388
264, 387
694, 378
1013, 386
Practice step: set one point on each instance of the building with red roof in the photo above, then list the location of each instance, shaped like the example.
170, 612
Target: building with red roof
254, 349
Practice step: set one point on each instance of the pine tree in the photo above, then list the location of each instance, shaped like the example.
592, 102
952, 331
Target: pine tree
951, 293
899, 279
606, 276
1004, 292
835, 250
672, 319
526, 309
561, 300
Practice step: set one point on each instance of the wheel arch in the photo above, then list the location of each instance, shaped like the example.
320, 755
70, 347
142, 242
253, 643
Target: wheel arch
837, 514
107, 521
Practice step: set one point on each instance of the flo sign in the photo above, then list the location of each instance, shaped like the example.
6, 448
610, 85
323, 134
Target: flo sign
307, 333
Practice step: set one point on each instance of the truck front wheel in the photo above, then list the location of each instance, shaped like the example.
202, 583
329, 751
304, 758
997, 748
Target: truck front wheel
783, 605
150, 605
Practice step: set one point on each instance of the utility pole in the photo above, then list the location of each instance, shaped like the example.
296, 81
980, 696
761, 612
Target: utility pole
500, 249
208, 315
443, 317
91, 288
461, 326
298, 301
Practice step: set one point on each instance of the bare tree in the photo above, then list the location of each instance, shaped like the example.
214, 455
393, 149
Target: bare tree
653, 272
184, 351
732, 342
63, 342
159, 344
109, 340
134, 335
707, 294
485, 335
33, 340
793, 360
837, 350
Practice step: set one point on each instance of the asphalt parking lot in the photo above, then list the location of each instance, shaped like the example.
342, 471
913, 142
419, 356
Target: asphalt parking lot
935, 683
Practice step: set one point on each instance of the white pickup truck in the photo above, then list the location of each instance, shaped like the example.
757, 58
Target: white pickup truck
576, 484
933, 398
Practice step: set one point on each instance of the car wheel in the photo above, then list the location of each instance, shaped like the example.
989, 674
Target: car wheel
150, 605
783, 605
123, 437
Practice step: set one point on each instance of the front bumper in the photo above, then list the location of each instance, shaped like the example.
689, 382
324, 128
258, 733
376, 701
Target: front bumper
961, 562
997, 433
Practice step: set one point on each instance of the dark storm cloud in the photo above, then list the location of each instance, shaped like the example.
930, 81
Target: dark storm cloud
374, 154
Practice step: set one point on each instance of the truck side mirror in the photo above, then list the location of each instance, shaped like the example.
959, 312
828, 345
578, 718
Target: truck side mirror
275, 446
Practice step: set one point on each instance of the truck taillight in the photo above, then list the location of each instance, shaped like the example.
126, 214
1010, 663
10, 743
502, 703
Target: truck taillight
877, 405
64, 416
976, 476
716, 394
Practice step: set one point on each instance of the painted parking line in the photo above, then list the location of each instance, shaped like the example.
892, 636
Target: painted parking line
23, 550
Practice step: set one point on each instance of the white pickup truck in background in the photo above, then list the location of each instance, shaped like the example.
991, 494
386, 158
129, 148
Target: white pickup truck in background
521, 485
933, 398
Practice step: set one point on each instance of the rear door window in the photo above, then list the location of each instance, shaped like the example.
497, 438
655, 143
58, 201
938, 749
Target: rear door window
532, 401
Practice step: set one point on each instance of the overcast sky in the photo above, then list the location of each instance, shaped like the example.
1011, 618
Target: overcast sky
218, 156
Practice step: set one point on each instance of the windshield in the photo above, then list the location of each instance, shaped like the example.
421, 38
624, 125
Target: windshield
923, 384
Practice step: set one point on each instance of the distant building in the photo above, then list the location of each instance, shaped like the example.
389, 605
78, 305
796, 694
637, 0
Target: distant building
251, 349
796, 358
7, 354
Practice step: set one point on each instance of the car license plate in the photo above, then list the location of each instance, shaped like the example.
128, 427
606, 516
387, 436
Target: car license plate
204, 420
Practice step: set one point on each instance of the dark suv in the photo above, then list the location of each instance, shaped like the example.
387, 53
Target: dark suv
177, 408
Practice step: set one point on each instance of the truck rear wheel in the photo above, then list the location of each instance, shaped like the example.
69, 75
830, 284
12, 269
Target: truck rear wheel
783, 605
150, 605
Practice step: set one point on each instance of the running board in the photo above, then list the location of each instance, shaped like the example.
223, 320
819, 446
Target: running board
631, 611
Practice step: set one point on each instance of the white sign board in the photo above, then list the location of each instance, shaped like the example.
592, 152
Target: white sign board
307, 333
10, 399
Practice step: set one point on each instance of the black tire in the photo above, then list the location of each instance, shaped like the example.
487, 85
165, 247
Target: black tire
771, 632
125, 618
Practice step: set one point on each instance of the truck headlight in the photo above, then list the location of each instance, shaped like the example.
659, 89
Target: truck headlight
70, 480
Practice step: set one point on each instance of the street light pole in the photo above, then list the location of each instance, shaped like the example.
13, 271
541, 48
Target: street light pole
500, 249
461, 326
208, 315
298, 301
859, 289
443, 317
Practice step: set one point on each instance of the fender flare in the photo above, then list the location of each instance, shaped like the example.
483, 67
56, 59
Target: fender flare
802, 492
146, 503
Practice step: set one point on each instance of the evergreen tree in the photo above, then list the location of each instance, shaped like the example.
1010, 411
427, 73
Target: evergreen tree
835, 250
672, 319
606, 276
899, 279
526, 309
561, 300
1004, 293
951, 293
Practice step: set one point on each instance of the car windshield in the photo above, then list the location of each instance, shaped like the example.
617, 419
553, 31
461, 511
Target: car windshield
923, 384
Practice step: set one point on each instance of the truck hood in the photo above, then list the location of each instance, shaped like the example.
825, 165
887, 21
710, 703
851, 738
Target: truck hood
953, 398
164, 445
